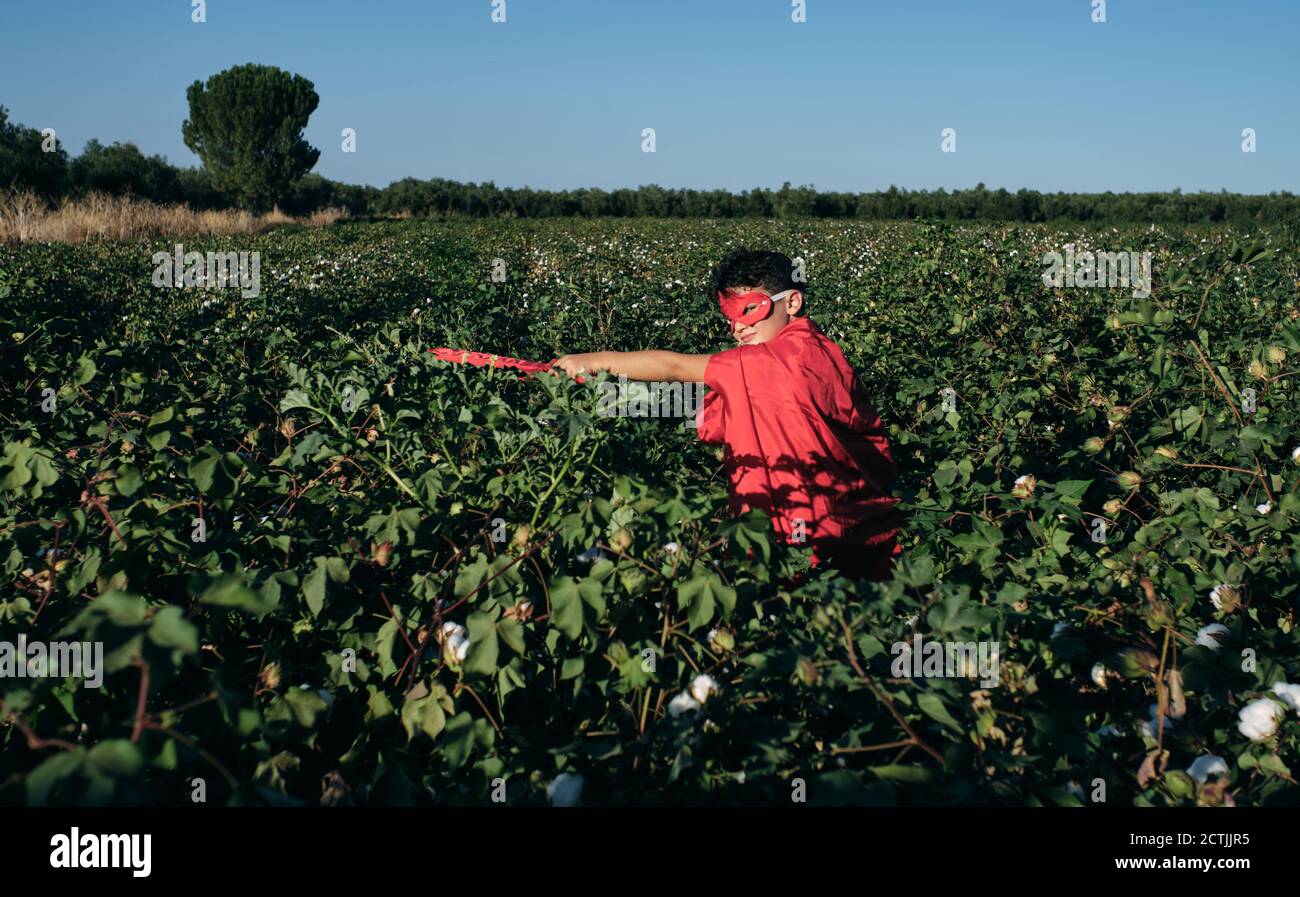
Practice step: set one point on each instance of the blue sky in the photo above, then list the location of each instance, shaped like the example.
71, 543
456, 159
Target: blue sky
740, 96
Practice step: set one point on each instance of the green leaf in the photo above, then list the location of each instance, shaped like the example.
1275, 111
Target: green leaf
934, 708
481, 660
60, 766
512, 633
945, 474
1188, 419
458, 742
1180, 784
229, 590
1273, 765
85, 371
127, 480
157, 432
296, 398
306, 705
170, 629
916, 775
121, 608
593, 596
470, 576
868, 647
572, 668
955, 613
201, 470
566, 606
700, 595
338, 569
313, 587
1072, 489
116, 757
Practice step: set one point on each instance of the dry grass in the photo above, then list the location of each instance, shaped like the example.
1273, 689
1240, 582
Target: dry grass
24, 217
322, 217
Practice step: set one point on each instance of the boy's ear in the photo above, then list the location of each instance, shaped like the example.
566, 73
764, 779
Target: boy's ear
795, 302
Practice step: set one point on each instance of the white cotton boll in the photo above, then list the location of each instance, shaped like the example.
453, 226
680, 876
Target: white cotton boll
1264, 508
1295, 454
591, 555
1205, 766
1099, 674
1026, 483
1288, 693
703, 686
681, 704
1258, 719
1212, 636
1225, 597
455, 642
565, 791
670, 547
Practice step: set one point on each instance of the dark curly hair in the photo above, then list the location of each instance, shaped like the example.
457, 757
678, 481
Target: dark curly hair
771, 271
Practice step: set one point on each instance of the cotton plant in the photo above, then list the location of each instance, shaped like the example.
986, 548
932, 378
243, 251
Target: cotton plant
565, 790
1259, 719
702, 687
1212, 636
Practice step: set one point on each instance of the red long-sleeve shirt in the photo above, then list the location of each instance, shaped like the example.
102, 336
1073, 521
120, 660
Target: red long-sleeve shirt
803, 443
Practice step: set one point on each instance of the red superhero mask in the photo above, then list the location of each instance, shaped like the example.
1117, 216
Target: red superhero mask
733, 306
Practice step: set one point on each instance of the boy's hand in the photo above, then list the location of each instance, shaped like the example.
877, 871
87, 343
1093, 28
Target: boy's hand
582, 363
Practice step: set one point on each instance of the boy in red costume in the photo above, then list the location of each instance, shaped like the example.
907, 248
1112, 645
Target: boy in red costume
803, 443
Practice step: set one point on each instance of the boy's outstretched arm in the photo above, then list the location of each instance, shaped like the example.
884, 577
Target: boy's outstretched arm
648, 364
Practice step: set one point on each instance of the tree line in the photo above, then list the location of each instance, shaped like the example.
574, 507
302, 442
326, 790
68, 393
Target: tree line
439, 198
246, 124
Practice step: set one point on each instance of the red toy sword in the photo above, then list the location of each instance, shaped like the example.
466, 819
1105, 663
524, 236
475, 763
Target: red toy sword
486, 359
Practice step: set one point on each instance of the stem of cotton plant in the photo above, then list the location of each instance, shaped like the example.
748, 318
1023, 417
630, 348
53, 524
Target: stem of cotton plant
884, 698
369, 457
388, 470
1160, 695
555, 481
